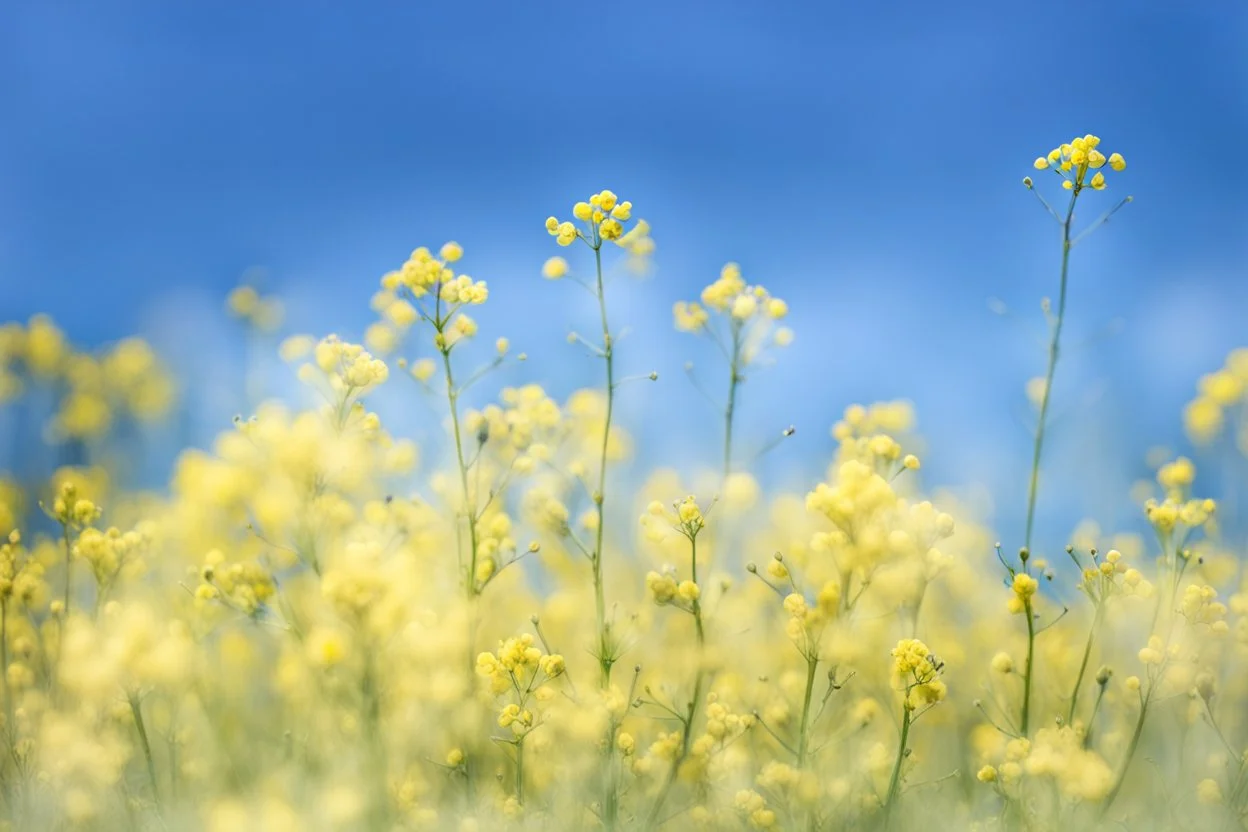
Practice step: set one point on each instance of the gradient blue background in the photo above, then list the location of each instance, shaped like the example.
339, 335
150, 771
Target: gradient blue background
861, 160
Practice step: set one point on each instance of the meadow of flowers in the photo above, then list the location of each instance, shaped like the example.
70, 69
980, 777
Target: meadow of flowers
319, 625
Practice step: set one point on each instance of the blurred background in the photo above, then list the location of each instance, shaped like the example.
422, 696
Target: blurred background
862, 161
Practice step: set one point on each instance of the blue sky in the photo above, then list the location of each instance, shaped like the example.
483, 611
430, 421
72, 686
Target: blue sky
861, 160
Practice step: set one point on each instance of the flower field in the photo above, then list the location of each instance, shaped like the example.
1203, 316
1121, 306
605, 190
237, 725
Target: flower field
317, 624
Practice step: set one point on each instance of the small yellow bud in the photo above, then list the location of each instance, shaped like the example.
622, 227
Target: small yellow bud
451, 252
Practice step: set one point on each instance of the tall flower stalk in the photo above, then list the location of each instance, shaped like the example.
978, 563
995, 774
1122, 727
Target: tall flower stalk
1078, 165
685, 595
599, 220
916, 673
748, 314
427, 288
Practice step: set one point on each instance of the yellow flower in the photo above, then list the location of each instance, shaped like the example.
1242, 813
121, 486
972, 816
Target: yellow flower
1024, 588
554, 268
1209, 792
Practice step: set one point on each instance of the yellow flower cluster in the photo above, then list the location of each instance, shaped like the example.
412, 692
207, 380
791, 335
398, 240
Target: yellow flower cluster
603, 218
93, 392
917, 672
1073, 160
21, 578
1218, 395
243, 586
750, 312
264, 314
1058, 753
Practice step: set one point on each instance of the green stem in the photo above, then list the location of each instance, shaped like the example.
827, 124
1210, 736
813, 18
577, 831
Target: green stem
1054, 351
1034, 481
894, 783
4, 663
652, 819
1083, 665
452, 398
606, 651
136, 708
69, 565
803, 741
520, 771
1126, 761
697, 604
1096, 708
469, 508
730, 409
371, 702
1025, 719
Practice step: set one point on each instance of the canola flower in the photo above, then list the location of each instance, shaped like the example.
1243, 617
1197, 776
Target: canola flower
748, 313
1072, 162
319, 625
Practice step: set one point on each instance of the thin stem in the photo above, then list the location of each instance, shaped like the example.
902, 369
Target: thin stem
452, 398
1126, 761
1024, 720
136, 708
1096, 708
697, 605
371, 704
1083, 665
1054, 351
4, 668
652, 819
520, 771
803, 740
730, 409
1034, 481
894, 783
605, 652
69, 564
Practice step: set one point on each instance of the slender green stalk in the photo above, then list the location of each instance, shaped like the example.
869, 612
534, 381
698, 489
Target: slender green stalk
606, 652
4, 663
1034, 481
69, 564
606, 649
697, 604
1083, 665
894, 782
1054, 352
470, 512
734, 379
803, 739
520, 770
371, 705
1096, 709
136, 708
652, 819
1126, 760
1027, 670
